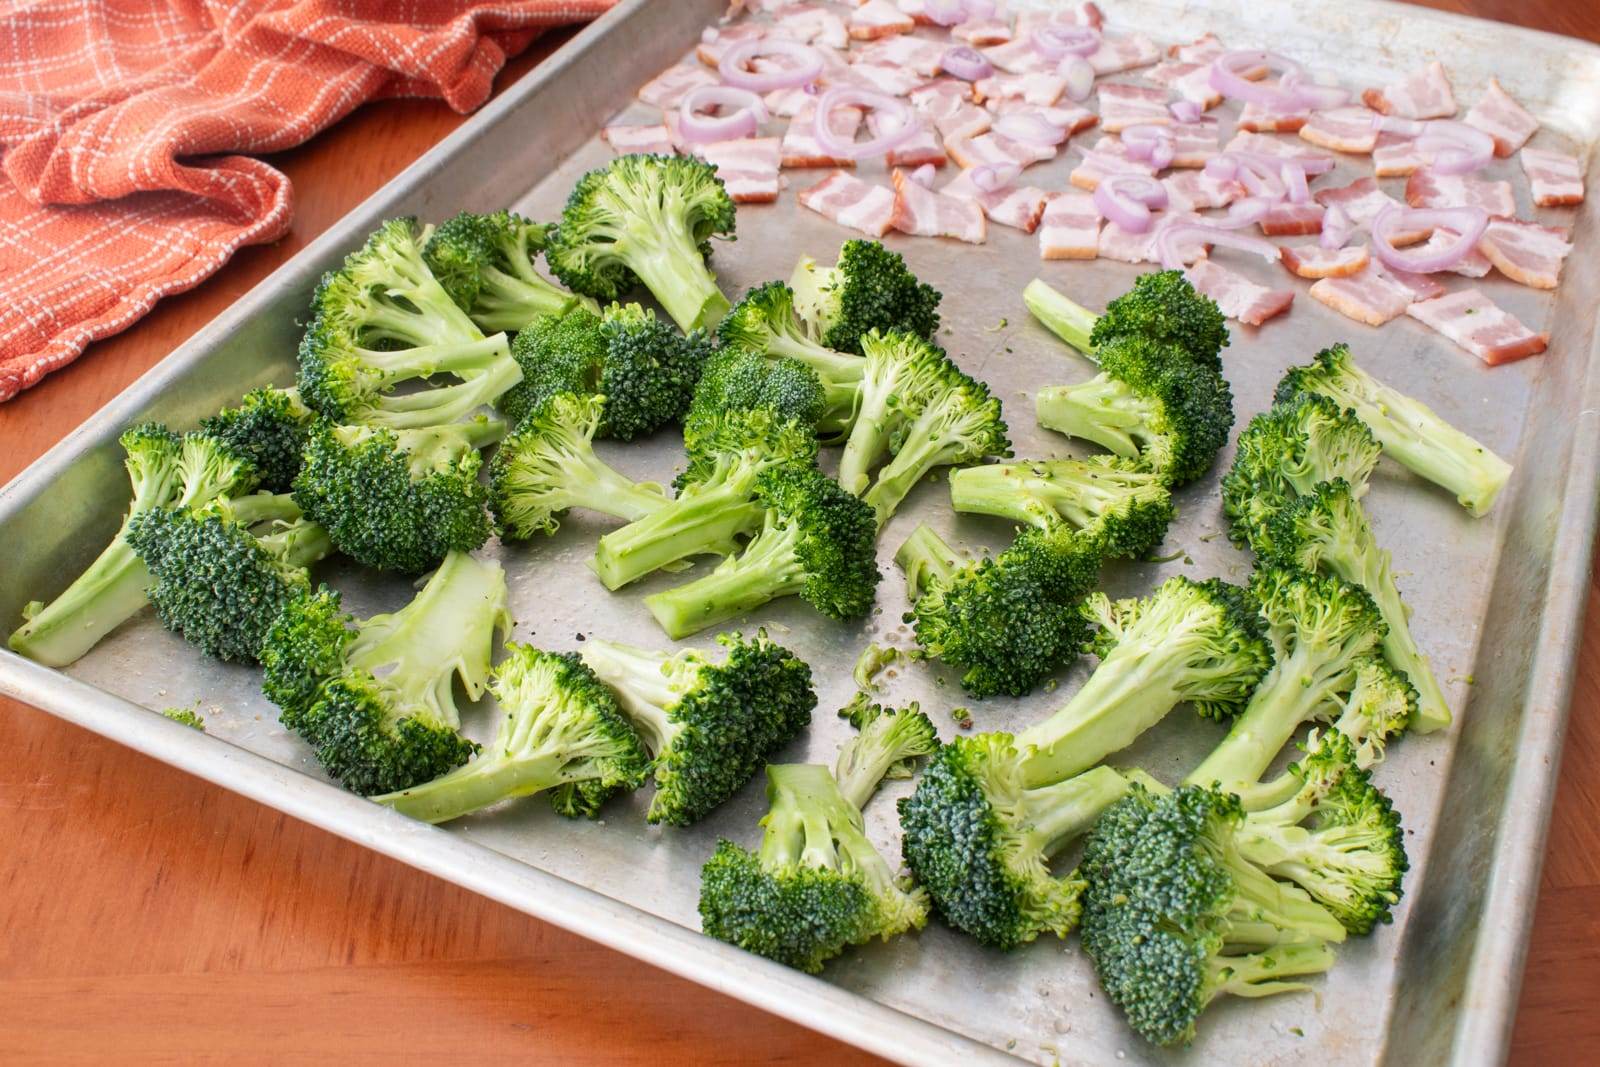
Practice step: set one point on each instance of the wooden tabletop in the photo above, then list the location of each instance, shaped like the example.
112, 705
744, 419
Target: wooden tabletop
147, 915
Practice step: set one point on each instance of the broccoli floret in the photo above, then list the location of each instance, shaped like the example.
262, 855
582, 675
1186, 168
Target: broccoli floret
165, 470
816, 541
1162, 306
868, 288
1175, 915
376, 698
874, 659
708, 726
1117, 503
561, 733
268, 427
646, 219
223, 571
548, 466
887, 744
398, 500
1008, 621
765, 321
716, 502
740, 379
1149, 402
1407, 429
485, 263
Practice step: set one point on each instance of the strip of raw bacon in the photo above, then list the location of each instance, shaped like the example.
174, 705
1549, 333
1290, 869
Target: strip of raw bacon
1260, 118
1422, 94
1477, 324
1362, 200
1117, 243
1109, 156
913, 53
1237, 296
1415, 286
1292, 220
1069, 117
1039, 89
1343, 129
1195, 190
1502, 118
1526, 252
847, 200
1200, 50
748, 167
981, 32
1122, 106
938, 96
1016, 206
1394, 156
1245, 141
1070, 227
626, 140
1194, 143
1555, 177
966, 122
800, 145
997, 148
921, 147
718, 39
891, 81
1191, 81
1018, 56
1085, 14
1367, 296
922, 212
667, 89
879, 18
787, 103
1428, 189
812, 24
1314, 261
1117, 54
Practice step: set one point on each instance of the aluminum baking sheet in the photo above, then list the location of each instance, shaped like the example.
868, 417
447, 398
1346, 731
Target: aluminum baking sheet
1498, 599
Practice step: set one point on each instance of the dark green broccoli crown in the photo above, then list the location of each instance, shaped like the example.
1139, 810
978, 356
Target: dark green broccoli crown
1163, 306
369, 745
649, 373
767, 311
836, 537
1302, 607
1139, 509
1327, 521
395, 500
269, 426
870, 288
304, 645
1330, 373
1193, 404
558, 354
457, 252
742, 440
738, 378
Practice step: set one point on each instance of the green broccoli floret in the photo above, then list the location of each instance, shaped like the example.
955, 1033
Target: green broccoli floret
561, 733
765, 321
485, 263
398, 500
1175, 915
268, 427
1162, 306
868, 288
816, 541
223, 571
740, 379
548, 466
1407, 429
1008, 621
165, 470
817, 885
716, 502
1119, 504
646, 219
376, 698
708, 726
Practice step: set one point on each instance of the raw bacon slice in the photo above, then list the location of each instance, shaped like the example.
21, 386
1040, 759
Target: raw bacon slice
1502, 118
1042, 90
1117, 243
748, 167
982, 32
1122, 106
1109, 156
892, 81
718, 39
1258, 118
1394, 156
1526, 252
1555, 178
787, 103
1477, 324
1423, 94
913, 53
847, 200
1070, 227
1237, 296
1194, 143
939, 96
1017, 206
1245, 141
812, 24
1117, 54
1195, 190
1292, 220
921, 147
997, 148
1018, 56
1200, 50
966, 122
800, 147
879, 18
1070, 117
1362, 200
1191, 81
667, 89
1427, 189
1343, 129
1366, 296
922, 212
1086, 14
1314, 261
1415, 286
651, 140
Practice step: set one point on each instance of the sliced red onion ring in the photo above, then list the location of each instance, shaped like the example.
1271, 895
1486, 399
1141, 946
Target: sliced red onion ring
1185, 110
1226, 77
945, 12
1469, 222
966, 63
1337, 226
1224, 168
992, 177
1307, 164
1170, 242
1054, 42
743, 112
735, 71
923, 175
1029, 128
1294, 180
1312, 96
895, 120
1242, 213
1126, 199
1456, 147
1080, 77
1142, 137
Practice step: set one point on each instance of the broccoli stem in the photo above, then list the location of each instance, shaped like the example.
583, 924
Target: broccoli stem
443, 404
700, 521
767, 569
509, 302
875, 423
290, 537
107, 594
1102, 410
925, 447
587, 481
926, 559
642, 681
1268, 912
486, 780
1014, 491
1055, 815
666, 257
1258, 974
1067, 319
461, 358
834, 368
806, 807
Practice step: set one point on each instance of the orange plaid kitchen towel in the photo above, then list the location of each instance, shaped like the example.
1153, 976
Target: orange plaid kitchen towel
124, 125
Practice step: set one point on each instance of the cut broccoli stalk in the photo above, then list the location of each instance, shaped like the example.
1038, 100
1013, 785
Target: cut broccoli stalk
765, 321
1407, 429
1102, 410
1162, 306
1062, 316
486, 263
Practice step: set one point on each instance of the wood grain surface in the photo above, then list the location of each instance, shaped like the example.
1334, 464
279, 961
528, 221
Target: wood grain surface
147, 916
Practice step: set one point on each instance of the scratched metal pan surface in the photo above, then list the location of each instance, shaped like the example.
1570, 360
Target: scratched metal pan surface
1498, 599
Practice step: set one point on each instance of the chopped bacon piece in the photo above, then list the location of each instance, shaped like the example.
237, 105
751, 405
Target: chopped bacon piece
1260, 118
718, 39
1085, 14
1200, 50
1040, 89
891, 81
1237, 296
847, 200
917, 9
812, 24
1195, 190
879, 18
1367, 296
1117, 54
921, 147
913, 53
627, 140
997, 148
1117, 243
1415, 286
1191, 81
1109, 156
1122, 106
1343, 129
1072, 118
1502, 118
1555, 178
981, 32
1423, 94
939, 96
667, 89
787, 103
1292, 220
800, 146
1362, 200
1070, 227
1246, 141
1428, 189
1394, 156
1194, 143
1526, 252
1018, 56
966, 122
1016, 206
748, 167
1314, 261
922, 212
1477, 324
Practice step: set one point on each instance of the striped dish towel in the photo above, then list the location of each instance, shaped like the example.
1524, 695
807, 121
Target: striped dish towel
124, 126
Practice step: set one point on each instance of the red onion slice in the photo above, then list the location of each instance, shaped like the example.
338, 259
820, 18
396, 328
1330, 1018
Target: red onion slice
992, 177
1054, 42
1126, 199
744, 111
1242, 213
966, 63
1226, 77
1456, 147
895, 119
1310, 95
1029, 128
735, 71
1469, 222
1185, 110
1337, 226
979, 9
1294, 179
1169, 242
1080, 77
